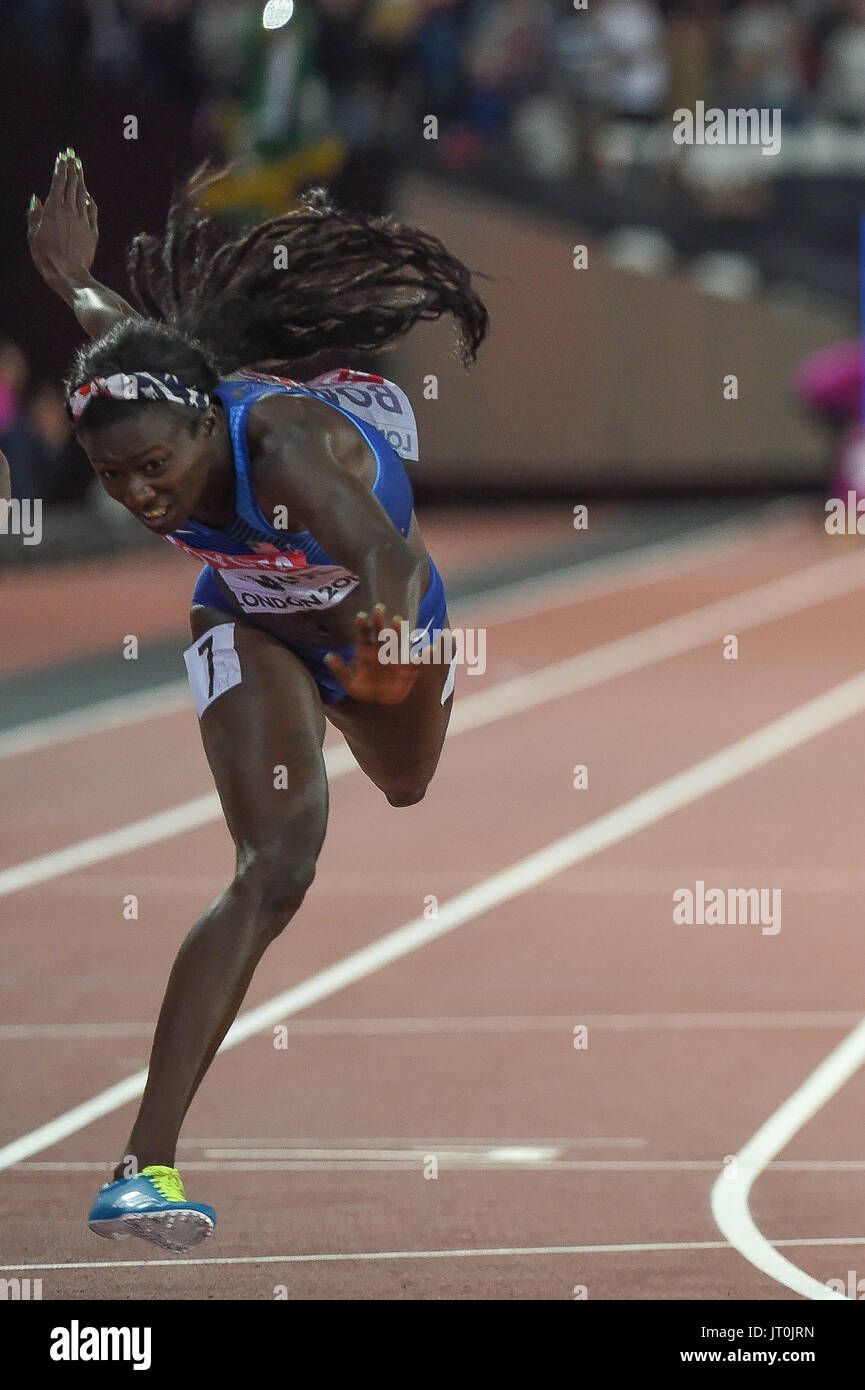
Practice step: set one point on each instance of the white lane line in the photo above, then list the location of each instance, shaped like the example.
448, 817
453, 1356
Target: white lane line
745, 755
342, 883
494, 1252
635, 569
548, 1023
731, 1191
410, 1162
593, 1142
768, 602
559, 588
190, 815
500, 1153
123, 710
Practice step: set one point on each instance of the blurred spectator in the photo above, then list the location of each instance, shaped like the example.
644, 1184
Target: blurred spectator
59, 468
633, 67
166, 57
438, 41
14, 435
36, 436
112, 40
842, 85
763, 39
693, 44
341, 54
13, 379
506, 57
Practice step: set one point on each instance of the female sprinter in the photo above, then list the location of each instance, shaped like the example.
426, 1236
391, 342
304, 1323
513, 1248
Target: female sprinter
302, 512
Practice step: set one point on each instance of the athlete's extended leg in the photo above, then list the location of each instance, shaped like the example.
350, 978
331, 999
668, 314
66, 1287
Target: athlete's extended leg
271, 719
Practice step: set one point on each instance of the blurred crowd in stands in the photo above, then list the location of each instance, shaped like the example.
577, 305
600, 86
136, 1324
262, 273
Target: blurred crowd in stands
537, 75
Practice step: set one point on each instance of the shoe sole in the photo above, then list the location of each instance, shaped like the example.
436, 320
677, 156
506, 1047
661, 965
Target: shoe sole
171, 1230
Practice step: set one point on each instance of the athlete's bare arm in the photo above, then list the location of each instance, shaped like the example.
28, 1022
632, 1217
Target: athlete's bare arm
304, 460
5, 482
63, 235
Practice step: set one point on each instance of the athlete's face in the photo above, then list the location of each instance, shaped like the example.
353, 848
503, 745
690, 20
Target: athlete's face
157, 469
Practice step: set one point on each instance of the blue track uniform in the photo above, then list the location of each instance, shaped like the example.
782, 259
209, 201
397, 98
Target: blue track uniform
273, 571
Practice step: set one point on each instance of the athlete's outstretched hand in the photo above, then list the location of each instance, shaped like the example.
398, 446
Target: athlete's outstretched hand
369, 678
63, 233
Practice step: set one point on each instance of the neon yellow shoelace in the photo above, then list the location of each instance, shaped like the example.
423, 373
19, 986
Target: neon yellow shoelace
166, 1181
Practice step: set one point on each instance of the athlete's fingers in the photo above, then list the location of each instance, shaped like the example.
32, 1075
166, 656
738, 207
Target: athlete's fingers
78, 190
343, 673
66, 184
54, 187
379, 618
90, 208
34, 214
57, 191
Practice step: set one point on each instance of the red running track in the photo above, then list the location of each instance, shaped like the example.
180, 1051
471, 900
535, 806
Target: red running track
559, 1167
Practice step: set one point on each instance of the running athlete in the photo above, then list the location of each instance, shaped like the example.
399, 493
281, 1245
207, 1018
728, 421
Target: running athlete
302, 512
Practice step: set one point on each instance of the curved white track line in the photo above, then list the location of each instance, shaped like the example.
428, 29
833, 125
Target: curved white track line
732, 1189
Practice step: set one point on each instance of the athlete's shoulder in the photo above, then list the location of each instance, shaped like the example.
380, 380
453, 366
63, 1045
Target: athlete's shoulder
295, 415
334, 403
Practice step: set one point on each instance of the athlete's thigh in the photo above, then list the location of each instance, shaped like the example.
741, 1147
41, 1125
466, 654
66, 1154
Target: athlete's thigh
395, 744
262, 735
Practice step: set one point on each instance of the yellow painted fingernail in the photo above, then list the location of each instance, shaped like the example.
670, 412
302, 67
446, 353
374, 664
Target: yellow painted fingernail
362, 615
381, 608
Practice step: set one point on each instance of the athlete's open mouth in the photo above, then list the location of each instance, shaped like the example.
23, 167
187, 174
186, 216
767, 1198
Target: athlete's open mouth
155, 516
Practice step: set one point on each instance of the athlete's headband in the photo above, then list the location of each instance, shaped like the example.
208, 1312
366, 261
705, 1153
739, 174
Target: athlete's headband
130, 386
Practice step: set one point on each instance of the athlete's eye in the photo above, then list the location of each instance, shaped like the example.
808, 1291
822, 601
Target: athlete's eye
107, 474
153, 466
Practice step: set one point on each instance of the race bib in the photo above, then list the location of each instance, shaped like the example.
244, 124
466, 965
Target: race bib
213, 666
287, 591
374, 400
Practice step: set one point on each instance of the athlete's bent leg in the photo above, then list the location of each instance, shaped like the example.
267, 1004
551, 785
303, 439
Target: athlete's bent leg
399, 746
269, 720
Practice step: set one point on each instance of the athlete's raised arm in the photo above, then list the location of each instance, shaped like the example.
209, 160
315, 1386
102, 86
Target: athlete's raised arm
63, 235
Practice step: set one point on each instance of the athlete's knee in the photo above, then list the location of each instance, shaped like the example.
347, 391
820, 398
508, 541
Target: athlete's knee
407, 794
275, 879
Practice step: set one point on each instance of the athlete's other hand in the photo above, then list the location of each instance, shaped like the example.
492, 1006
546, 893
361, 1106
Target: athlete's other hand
368, 678
63, 234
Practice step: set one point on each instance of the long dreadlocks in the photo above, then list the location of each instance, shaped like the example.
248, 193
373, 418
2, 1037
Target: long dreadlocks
311, 281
